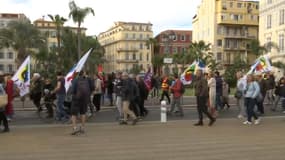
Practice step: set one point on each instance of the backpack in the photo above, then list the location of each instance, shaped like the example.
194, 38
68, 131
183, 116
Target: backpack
82, 88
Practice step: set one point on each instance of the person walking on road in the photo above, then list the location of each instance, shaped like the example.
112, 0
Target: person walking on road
212, 93
81, 90
165, 89
202, 94
176, 89
252, 91
61, 115
239, 95
127, 94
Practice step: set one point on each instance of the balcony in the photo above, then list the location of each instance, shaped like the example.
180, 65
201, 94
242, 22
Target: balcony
239, 36
231, 48
127, 61
127, 50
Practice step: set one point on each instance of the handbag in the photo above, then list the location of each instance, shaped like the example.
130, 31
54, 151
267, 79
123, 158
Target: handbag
3, 97
238, 94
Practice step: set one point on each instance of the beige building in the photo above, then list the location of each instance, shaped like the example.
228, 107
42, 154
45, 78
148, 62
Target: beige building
229, 25
125, 46
272, 24
8, 55
48, 28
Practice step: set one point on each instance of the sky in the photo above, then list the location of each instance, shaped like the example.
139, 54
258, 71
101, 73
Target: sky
163, 14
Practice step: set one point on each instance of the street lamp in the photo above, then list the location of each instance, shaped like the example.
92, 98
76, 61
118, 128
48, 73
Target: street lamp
168, 37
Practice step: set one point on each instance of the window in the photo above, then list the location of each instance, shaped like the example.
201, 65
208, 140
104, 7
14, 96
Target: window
134, 36
141, 36
141, 46
127, 36
224, 5
231, 4
134, 56
1, 55
235, 43
166, 50
127, 56
281, 42
10, 55
219, 56
182, 37
220, 30
239, 5
1, 67
281, 16
234, 17
268, 21
268, 40
10, 68
220, 42
147, 57
141, 57
53, 34
174, 49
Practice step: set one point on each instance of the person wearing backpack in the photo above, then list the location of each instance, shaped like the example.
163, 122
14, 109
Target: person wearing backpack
81, 90
176, 89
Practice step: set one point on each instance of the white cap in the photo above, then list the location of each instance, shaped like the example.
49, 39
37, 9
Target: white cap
36, 75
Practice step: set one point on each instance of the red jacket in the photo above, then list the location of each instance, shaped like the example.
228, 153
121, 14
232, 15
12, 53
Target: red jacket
176, 88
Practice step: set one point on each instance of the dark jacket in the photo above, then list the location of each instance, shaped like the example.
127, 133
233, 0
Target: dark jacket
263, 86
201, 87
143, 92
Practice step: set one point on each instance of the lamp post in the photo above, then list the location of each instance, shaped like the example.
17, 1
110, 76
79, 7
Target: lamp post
168, 37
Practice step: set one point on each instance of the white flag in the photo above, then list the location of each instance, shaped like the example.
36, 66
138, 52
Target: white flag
75, 69
22, 77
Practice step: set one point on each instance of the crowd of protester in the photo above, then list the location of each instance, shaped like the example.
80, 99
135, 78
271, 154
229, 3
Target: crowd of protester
128, 93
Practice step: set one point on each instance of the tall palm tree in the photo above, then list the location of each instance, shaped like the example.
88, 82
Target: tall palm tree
257, 49
153, 44
200, 51
58, 21
78, 15
23, 37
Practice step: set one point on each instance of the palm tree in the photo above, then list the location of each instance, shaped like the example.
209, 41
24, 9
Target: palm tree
157, 62
78, 15
58, 21
257, 49
23, 37
153, 45
200, 51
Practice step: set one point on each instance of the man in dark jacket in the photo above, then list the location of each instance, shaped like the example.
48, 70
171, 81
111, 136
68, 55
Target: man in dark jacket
143, 94
127, 96
219, 90
202, 94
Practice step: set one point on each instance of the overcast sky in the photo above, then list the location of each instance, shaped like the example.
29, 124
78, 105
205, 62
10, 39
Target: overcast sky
163, 14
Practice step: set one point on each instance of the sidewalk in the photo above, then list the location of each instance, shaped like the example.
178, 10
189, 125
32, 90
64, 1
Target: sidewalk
176, 140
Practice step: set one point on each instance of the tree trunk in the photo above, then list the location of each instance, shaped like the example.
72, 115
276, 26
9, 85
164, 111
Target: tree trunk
78, 41
59, 64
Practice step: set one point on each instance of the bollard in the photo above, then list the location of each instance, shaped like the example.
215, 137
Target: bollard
163, 117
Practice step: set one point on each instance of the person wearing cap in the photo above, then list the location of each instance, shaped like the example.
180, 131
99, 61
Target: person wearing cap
36, 91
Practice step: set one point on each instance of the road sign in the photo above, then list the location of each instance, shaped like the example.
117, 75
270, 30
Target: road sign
167, 60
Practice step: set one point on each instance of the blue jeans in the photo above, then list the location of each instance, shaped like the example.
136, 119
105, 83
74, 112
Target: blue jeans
60, 112
250, 103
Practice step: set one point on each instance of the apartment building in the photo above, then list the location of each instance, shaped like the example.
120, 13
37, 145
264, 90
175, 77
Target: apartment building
125, 46
229, 26
272, 25
48, 28
8, 55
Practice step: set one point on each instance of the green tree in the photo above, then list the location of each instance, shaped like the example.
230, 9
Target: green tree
78, 15
23, 37
239, 65
257, 49
58, 21
157, 62
200, 51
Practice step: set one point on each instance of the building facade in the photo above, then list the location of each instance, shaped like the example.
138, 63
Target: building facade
229, 26
173, 42
272, 24
8, 55
125, 46
48, 28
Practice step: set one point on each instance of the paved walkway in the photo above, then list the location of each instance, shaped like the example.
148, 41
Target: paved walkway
228, 139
